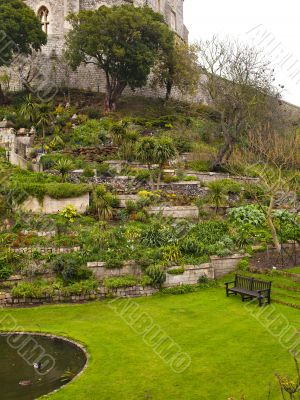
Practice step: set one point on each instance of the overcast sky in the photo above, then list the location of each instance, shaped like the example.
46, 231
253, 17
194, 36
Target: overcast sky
271, 25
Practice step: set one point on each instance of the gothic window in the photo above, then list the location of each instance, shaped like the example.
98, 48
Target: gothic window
43, 15
173, 21
158, 5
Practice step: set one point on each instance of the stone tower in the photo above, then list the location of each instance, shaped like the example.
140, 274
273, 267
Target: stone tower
53, 13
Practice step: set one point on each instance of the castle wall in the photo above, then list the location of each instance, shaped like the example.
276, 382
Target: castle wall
54, 71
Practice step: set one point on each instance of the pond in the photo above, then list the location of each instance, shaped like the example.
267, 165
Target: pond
34, 365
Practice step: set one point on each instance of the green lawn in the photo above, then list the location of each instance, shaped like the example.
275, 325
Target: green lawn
232, 353
295, 270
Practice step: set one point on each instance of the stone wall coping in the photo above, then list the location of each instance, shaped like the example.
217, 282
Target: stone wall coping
182, 183
191, 267
166, 207
95, 264
232, 256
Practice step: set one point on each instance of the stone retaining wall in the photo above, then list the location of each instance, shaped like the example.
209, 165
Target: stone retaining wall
45, 250
215, 269
207, 177
188, 212
54, 206
6, 300
190, 276
223, 266
101, 272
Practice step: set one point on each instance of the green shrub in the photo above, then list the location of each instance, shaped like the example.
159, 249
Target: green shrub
79, 288
70, 269
120, 282
170, 179
200, 166
210, 232
114, 263
190, 245
203, 279
88, 172
27, 289
171, 253
143, 176
182, 289
157, 274
104, 169
190, 178
176, 271
243, 265
92, 112
249, 214
183, 145
91, 133
152, 236
5, 272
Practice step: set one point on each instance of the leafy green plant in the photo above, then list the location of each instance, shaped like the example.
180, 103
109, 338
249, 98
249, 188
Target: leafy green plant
120, 282
249, 214
91, 133
114, 262
70, 269
34, 290
243, 265
210, 232
64, 166
103, 202
171, 253
203, 279
69, 213
79, 288
176, 271
217, 195
191, 245
157, 274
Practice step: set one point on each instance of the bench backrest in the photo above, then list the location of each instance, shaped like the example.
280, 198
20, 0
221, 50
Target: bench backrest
244, 282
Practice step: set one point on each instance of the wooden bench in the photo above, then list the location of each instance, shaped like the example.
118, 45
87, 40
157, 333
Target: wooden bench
250, 288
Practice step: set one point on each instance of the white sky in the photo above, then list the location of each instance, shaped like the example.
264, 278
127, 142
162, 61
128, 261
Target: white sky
271, 25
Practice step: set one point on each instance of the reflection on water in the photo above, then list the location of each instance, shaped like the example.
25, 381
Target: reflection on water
33, 365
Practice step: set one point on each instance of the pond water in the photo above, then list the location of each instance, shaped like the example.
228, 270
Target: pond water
34, 365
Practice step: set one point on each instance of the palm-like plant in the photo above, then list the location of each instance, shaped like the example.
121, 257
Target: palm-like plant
145, 149
44, 118
118, 133
102, 203
217, 194
164, 151
64, 166
30, 109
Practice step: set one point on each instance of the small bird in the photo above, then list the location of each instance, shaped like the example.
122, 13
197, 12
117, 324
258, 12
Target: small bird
37, 365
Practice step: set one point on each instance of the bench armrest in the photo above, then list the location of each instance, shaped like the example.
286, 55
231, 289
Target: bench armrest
228, 283
264, 290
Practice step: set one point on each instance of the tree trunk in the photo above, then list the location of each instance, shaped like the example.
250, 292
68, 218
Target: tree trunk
219, 160
3, 99
110, 104
114, 90
169, 86
151, 177
159, 177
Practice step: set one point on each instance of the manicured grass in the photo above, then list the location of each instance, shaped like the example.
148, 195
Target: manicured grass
295, 270
232, 353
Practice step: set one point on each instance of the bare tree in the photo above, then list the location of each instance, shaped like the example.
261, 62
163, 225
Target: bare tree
274, 158
240, 84
29, 69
